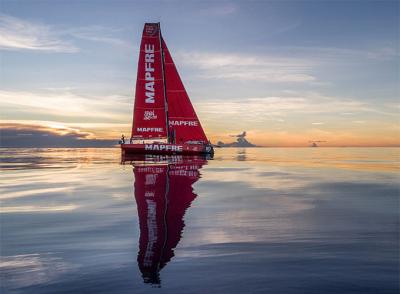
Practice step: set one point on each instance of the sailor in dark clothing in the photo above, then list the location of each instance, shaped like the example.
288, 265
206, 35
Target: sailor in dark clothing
123, 139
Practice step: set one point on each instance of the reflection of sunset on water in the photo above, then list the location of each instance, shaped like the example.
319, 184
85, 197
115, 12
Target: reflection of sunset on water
258, 212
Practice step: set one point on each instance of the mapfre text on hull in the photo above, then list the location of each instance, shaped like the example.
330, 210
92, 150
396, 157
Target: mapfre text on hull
170, 149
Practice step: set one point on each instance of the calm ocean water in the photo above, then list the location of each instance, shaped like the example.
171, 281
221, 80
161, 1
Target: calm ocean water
262, 220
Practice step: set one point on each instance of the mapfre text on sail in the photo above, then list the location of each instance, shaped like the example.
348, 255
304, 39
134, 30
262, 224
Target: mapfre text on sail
149, 72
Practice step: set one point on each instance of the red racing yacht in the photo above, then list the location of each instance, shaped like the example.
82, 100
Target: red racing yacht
164, 120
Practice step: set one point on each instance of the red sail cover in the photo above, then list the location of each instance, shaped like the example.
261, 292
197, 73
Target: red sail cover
149, 117
183, 122
163, 193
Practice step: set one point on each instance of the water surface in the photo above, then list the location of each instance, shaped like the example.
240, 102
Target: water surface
261, 220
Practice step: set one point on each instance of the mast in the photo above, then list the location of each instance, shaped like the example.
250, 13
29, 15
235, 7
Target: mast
165, 85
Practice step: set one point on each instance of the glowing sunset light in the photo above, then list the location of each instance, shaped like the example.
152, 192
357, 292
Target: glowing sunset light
263, 68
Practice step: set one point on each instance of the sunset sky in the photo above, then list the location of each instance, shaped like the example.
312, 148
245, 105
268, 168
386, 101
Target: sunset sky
286, 72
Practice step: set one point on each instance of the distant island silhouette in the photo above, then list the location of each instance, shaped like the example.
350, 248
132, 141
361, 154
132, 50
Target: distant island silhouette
240, 142
314, 143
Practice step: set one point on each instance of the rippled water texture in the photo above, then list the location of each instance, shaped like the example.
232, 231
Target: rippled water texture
312, 220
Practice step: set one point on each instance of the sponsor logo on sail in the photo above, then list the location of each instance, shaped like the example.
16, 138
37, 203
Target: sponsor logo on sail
149, 72
151, 29
149, 115
188, 123
153, 130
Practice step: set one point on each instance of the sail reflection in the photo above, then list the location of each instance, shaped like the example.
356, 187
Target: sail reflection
163, 193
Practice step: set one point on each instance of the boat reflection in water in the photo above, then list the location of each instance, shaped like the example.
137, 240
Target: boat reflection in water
163, 193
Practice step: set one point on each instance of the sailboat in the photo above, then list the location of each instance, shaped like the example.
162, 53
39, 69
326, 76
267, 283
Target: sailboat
164, 120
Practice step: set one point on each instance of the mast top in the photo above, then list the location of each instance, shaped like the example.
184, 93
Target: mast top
151, 29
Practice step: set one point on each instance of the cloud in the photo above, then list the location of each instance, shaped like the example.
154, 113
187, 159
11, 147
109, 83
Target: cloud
22, 135
337, 55
394, 106
382, 53
96, 33
280, 106
94, 130
221, 9
247, 67
30, 208
113, 108
296, 114
279, 64
18, 34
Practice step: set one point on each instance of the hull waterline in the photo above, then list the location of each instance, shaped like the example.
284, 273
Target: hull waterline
167, 149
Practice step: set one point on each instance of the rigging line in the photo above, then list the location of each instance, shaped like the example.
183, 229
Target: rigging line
165, 83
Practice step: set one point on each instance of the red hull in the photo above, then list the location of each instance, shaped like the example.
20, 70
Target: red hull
166, 148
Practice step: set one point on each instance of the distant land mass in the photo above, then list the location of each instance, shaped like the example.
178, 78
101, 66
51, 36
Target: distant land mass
30, 136
240, 142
